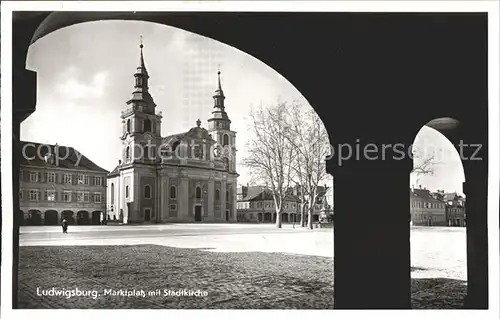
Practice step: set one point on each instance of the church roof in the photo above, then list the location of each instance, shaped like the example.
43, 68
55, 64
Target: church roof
197, 132
115, 171
68, 157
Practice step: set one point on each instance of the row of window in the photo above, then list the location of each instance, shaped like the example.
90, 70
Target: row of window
419, 204
66, 196
173, 193
455, 210
36, 177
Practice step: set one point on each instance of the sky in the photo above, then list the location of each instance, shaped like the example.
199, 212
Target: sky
85, 76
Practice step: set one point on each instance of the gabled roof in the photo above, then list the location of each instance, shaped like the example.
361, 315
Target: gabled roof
423, 194
253, 192
68, 157
260, 193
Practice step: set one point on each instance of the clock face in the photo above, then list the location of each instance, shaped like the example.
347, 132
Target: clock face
226, 152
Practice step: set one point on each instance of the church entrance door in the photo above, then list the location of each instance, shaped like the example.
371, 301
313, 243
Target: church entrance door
197, 213
147, 215
227, 215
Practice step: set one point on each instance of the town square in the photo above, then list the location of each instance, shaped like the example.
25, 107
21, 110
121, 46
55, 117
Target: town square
239, 266
162, 165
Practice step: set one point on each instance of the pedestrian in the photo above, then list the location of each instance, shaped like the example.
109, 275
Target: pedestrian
65, 226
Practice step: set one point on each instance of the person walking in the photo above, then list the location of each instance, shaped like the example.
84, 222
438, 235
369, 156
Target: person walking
65, 226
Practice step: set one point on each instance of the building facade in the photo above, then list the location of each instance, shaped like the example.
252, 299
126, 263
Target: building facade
256, 204
58, 182
455, 210
426, 210
185, 177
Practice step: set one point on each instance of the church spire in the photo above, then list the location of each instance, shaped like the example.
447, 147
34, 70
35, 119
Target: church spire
219, 94
141, 76
219, 116
142, 66
140, 95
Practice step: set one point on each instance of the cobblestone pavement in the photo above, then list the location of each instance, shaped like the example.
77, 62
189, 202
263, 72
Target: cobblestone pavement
256, 267
232, 280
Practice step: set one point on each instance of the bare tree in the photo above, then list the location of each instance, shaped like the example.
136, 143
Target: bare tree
270, 153
308, 136
423, 164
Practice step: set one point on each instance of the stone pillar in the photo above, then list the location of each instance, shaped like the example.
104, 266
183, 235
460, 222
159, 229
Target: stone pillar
223, 199
476, 193
234, 201
372, 235
184, 211
165, 197
211, 198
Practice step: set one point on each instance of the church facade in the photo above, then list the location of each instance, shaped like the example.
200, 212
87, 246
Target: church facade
185, 177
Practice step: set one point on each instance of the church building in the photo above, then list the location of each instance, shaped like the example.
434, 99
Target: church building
185, 177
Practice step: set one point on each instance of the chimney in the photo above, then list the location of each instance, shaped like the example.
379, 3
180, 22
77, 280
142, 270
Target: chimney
119, 162
420, 186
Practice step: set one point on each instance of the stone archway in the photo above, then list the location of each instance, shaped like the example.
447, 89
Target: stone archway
96, 217
421, 84
34, 218
51, 217
83, 218
69, 216
268, 218
284, 218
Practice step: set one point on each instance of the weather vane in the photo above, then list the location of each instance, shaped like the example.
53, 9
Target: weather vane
141, 40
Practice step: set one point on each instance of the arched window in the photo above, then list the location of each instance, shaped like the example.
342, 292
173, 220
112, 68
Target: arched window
175, 146
126, 191
147, 125
112, 193
127, 153
225, 140
128, 126
227, 196
147, 191
198, 192
173, 192
217, 194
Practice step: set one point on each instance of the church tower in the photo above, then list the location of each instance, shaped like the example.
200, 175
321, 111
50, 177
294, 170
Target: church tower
141, 125
219, 127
